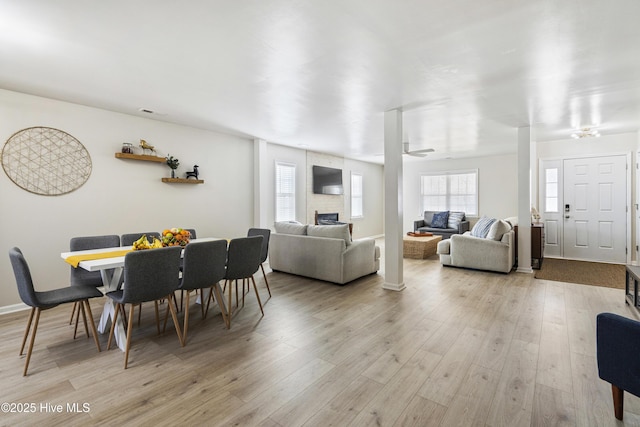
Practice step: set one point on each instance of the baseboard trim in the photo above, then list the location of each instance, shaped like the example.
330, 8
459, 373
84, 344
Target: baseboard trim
393, 286
13, 308
526, 270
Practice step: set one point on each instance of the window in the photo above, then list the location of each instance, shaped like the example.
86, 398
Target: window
551, 190
285, 192
356, 196
453, 191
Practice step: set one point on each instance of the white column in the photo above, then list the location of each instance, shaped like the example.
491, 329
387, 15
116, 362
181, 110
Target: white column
260, 182
393, 279
524, 200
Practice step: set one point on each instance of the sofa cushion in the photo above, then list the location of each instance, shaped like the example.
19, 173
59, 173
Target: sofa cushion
291, 227
497, 229
455, 218
440, 219
340, 231
481, 229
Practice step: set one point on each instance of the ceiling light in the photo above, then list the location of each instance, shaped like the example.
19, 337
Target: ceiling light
585, 133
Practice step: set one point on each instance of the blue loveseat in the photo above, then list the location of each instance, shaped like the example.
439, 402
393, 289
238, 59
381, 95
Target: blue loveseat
424, 225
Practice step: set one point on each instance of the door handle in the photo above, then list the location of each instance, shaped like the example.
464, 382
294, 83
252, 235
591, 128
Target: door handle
566, 216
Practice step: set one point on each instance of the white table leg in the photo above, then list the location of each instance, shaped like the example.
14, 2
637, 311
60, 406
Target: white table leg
111, 280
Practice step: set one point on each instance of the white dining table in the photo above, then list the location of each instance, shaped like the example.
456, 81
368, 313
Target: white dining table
111, 270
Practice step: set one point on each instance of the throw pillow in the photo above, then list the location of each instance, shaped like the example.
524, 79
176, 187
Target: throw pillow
340, 231
440, 220
481, 229
497, 230
455, 218
291, 227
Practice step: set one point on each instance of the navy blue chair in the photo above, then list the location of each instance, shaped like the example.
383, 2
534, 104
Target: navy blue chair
618, 350
39, 301
149, 275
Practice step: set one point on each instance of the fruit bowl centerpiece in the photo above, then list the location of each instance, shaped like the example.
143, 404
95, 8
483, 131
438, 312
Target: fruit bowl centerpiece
175, 237
142, 243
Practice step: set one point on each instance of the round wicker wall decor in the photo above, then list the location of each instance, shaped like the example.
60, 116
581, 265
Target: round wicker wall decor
46, 161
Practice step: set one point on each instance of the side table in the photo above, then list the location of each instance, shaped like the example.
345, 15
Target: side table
631, 285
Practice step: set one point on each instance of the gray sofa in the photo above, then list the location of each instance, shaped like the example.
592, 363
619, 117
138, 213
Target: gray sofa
493, 253
424, 225
323, 252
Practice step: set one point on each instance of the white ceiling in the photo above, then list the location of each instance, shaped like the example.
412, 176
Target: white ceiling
319, 74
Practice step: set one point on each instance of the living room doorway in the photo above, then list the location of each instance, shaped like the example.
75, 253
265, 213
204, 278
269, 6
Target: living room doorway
584, 207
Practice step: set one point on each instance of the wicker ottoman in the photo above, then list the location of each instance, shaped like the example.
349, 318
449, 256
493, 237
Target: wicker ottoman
420, 247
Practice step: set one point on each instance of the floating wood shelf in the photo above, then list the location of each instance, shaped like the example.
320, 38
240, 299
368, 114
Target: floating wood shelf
183, 180
142, 157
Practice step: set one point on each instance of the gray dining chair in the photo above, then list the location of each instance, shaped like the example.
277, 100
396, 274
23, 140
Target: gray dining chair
203, 267
149, 275
192, 232
243, 260
264, 251
80, 276
44, 300
129, 238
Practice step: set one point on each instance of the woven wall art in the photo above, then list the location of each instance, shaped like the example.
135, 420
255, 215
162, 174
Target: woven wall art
46, 161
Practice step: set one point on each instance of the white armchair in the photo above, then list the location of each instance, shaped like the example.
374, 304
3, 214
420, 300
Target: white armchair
465, 250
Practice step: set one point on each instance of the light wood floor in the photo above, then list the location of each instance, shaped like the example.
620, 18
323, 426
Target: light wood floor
456, 347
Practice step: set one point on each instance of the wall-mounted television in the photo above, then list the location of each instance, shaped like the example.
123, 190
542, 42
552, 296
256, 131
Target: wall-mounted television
327, 180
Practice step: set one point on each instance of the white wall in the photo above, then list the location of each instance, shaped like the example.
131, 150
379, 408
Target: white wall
306, 202
121, 195
280, 153
372, 223
497, 184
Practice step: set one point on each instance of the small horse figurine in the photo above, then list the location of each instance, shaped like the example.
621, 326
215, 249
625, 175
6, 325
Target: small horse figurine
193, 173
146, 146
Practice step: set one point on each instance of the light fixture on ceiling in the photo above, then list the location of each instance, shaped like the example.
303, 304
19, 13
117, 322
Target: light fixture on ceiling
585, 133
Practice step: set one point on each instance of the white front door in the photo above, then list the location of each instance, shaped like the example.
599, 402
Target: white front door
595, 208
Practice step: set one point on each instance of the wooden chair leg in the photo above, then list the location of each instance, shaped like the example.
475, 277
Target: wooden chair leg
75, 329
26, 331
186, 320
73, 311
174, 315
618, 401
84, 319
155, 303
266, 282
33, 339
255, 288
117, 309
126, 351
202, 301
229, 309
93, 324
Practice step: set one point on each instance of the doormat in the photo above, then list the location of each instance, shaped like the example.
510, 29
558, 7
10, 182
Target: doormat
582, 272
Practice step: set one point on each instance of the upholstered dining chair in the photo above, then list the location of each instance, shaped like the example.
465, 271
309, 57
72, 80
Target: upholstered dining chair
264, 251
129, 238
203, 267
243, 260
44, 300
149, 275
618, 347
80, 276
192, 232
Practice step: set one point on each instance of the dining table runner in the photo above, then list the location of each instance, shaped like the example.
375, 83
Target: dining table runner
74, 260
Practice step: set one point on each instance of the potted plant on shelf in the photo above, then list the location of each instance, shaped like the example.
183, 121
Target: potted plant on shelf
173, 163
